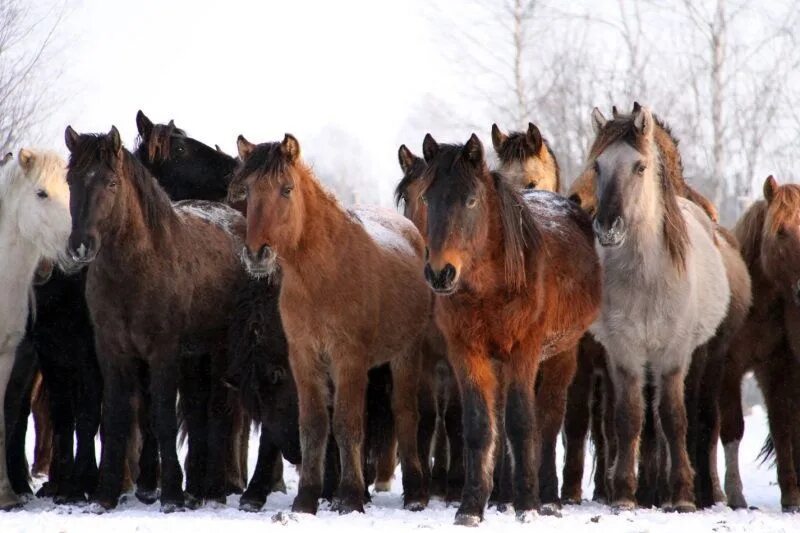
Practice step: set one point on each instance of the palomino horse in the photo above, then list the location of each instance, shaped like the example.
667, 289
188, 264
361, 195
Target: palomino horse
768, 343
368, 258
664, 291
517, 281
160, 284
34, 225
526, 159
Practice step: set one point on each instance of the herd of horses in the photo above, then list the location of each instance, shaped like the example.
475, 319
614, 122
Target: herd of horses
179, 291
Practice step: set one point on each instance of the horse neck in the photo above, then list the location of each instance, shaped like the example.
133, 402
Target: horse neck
326, 231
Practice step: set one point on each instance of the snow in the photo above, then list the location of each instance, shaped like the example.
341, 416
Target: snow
385, 512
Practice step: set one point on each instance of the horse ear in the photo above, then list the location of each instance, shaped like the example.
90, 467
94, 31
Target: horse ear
144, 125
498, 138
534, 137
25, 158
290, 147
636, 108
598, 120
245, 147
770, 188
218, 149
474, 150
643, 120
429, 148
406, 158
116, 141
6, 158
614, 111
71, 138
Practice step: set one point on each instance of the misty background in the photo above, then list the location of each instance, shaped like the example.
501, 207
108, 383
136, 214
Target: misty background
355, 79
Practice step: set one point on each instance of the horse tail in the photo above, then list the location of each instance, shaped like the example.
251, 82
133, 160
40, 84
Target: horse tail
767, 452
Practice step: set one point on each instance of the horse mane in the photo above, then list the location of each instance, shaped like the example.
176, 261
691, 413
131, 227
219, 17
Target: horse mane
158, 143
153, 200
517, 148
414, 173
521, 234
670, 173
749, 230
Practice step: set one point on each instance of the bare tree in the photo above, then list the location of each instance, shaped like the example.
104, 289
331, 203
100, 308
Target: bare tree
26, 76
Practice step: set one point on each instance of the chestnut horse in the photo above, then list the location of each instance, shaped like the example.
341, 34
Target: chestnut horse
768, 343
372, 261
517, 281
160, 284
526, 159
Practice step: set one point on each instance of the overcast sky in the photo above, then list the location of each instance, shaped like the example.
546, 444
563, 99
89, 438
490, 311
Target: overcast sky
260, 68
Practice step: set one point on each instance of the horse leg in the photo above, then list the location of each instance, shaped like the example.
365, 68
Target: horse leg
220, 430
314, 423
427, 425
148, 461
628, 419
598, 436
18, 408
8, 499
255, 496
118, 377
43, 446
57, 381
649, 454
478, 383
774, 381
503, 476
164, 374
672, 411
455, 441
551, 404
88, 404
708, 426
732, 431
386, 463
440, 445
405, 375
195, 388
576, 426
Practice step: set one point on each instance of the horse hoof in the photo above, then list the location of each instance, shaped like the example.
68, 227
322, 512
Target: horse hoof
383, 486
48, 490
9, 502
192, 502
526, 517
684, 507
550, 509
147, 497
468, 520
250, 506
305, 505
172, 507
414, 506
97, 508
279, 486
345, 507
737, 501
790, 509
69, 499
623, 505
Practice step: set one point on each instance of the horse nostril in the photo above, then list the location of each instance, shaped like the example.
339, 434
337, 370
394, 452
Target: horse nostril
448, 274
262, 253
429, 275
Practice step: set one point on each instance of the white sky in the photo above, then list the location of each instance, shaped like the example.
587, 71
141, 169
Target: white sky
220, 68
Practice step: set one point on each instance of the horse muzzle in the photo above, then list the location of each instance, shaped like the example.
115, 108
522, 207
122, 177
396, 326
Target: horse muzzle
261, 264
83, 251
443, 281
610, 237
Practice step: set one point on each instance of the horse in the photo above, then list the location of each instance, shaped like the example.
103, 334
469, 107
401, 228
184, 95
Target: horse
34, 225
188, 169
768, 341
665, 290
159, 286
526, 159
327, 255
501, 306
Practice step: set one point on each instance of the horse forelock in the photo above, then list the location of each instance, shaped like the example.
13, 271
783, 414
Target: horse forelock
157, 145
664, 151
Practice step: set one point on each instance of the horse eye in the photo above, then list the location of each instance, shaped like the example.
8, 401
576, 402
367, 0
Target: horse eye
597, 167
112, 184
472, 201
180, 149
640, 168
41, 193
286, 191
530, 185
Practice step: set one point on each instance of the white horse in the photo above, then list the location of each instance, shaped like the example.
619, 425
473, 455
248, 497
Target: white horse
665, 290
34, 225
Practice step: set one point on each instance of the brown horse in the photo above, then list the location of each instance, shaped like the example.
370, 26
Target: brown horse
555, 374
160, 283
352, 297
526, 159
501, 305
768, 342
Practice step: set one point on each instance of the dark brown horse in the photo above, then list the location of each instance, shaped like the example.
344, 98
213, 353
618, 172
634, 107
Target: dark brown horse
372, 261
160, 283
501, 306
768, 342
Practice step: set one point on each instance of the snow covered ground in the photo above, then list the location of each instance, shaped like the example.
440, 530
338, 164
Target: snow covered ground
385, 513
